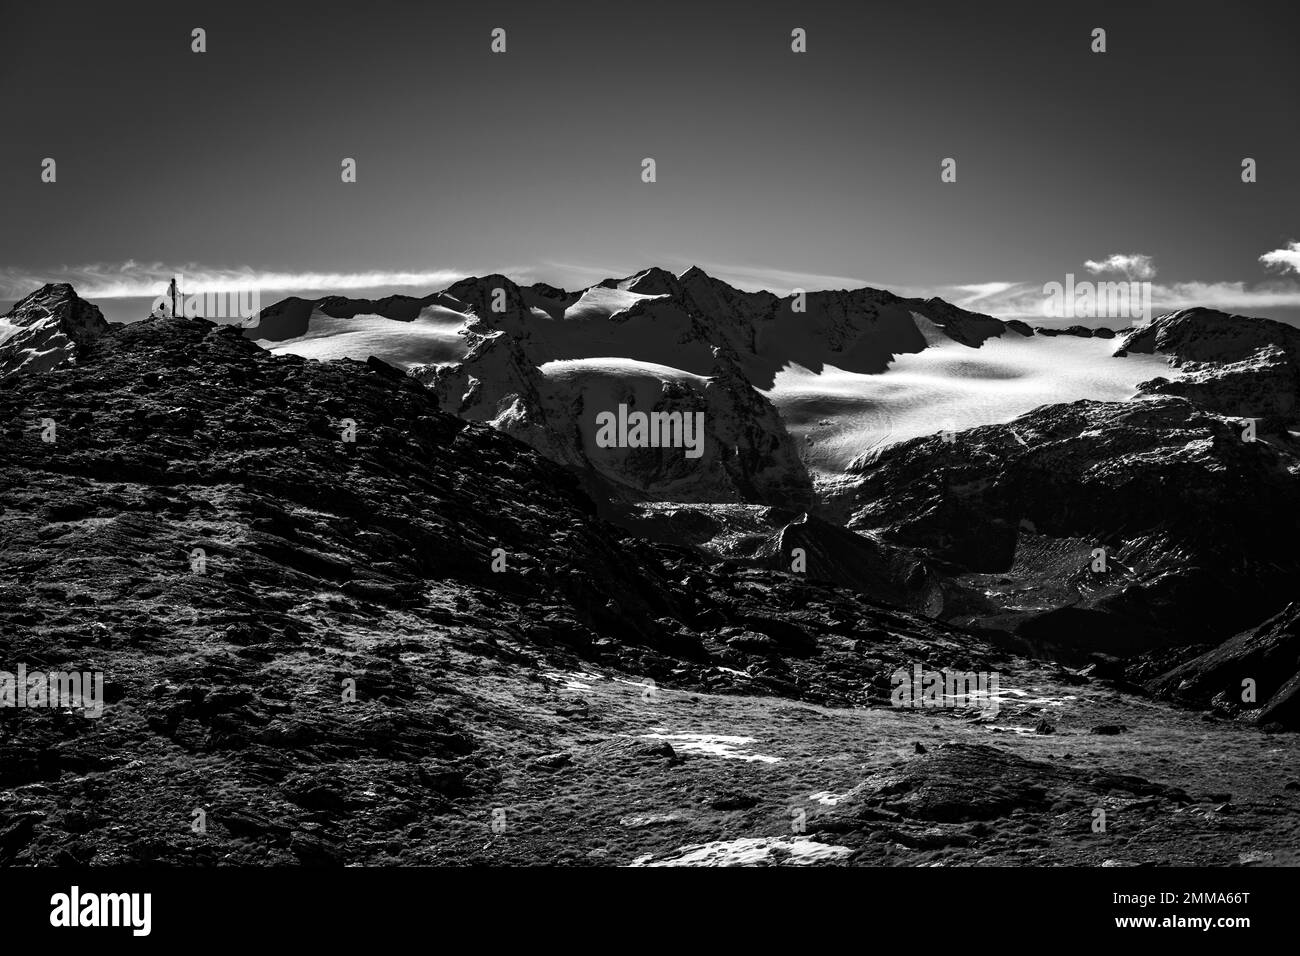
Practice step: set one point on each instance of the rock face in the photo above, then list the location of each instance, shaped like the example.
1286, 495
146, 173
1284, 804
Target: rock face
1231, 364
1193, 522
1268, 655
963, 782
1208, 335
842, 557
47, 329
797, 542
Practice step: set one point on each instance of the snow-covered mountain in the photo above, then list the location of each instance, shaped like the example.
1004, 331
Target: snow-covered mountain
795, 389
1080, 490
47, 329
797, 392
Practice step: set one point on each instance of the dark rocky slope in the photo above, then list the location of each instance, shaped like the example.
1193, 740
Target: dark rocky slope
1230, 364
329, 564
1268, 656
1195, 523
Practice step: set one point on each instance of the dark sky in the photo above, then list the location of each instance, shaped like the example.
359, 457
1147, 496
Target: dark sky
774, 169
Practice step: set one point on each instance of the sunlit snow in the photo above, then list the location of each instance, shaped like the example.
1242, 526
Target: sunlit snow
431, 338
750, 851
713, 745
837, 416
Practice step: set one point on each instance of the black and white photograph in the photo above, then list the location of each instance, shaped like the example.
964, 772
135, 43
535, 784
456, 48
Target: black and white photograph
484, 444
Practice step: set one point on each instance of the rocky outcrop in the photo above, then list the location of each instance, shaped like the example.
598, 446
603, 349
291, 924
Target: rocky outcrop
1208, 335
846, 558
1255, 674
1264, 386
1230, 364
47, 329
961, 783
796, 542
1189, 520
1078, 331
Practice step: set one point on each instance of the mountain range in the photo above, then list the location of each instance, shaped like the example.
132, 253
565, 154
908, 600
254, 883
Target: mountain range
407, 493
981, 462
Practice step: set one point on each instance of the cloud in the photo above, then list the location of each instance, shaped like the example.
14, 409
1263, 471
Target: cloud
780, 281
1226, 295
1027, 301
1132, 265
570, 275
133, 279
981, 290
1284, 259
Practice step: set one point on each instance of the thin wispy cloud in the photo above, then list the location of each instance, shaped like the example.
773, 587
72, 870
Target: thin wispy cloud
572, 275
979, 291
1227, 296
133, 279
1027, 300
779, 281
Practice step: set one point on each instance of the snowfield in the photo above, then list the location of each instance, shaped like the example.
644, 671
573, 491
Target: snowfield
432, 338
601, 303
853, 374
583, 370
837, 416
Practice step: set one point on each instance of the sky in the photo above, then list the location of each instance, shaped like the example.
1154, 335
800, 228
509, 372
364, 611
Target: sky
774, 169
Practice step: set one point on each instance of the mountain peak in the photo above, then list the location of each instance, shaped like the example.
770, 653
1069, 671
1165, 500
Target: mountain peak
652, 281
46, 329
46, 297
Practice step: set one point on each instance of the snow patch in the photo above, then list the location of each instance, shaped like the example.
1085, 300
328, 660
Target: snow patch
826, 798
601, 303
431, 338
1022, 698
750, 851
837, 416
577, 370
713, 745
575, 681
